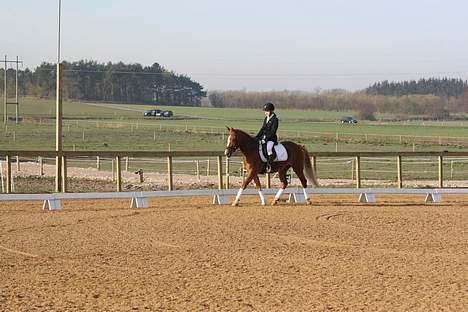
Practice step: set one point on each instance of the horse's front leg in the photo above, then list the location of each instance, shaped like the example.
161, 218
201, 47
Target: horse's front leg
246, 182
259, 187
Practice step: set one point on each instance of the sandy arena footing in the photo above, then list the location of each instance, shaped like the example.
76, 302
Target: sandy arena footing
185, 254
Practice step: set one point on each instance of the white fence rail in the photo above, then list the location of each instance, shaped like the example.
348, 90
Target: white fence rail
221, 197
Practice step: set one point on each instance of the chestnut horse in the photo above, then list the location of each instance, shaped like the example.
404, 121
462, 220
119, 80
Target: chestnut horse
298, 160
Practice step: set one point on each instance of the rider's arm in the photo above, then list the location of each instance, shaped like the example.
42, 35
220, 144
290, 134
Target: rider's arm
261, 132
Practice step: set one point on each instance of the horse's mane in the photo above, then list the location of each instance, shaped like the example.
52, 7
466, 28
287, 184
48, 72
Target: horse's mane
243, 133
248, 140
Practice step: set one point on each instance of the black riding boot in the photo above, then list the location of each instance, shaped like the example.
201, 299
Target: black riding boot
270, 161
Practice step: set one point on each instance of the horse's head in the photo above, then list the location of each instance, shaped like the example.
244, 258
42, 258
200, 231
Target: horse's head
232, 142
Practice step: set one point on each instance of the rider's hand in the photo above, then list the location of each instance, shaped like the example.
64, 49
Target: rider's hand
262, 141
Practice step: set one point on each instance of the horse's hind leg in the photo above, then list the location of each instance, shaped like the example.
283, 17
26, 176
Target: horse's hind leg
284, 184
300, 174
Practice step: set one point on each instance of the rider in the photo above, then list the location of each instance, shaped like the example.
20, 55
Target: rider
267, 133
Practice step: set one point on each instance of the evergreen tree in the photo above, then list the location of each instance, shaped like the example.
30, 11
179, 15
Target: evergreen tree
113, 82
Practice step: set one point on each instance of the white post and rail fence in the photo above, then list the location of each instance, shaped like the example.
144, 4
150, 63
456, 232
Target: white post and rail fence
223, 180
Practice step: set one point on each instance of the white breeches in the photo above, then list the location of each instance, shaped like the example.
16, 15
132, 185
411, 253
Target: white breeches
270, 145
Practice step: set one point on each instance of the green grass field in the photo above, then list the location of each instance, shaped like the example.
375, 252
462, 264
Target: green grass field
98, 126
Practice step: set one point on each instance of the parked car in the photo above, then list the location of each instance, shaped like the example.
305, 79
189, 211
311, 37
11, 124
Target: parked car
167, 113
348, 119
152, 112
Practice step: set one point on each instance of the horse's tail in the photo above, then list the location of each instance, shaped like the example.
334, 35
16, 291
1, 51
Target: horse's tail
309, 171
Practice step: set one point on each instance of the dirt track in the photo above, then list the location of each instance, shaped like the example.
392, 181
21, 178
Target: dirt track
185, 254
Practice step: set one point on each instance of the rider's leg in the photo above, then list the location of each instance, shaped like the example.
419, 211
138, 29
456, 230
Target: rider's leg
270, 159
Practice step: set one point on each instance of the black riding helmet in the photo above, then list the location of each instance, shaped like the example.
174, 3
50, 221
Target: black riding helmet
269, 107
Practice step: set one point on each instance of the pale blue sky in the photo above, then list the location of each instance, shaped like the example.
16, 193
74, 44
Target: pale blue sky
250, 44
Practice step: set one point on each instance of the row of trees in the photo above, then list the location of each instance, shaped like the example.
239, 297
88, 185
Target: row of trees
119, 82
425, 106
435, 86
133, 83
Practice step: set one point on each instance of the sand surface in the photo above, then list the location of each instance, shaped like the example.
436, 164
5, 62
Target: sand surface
184, 254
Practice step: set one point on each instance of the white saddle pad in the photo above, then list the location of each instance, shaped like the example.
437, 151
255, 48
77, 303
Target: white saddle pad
281, 152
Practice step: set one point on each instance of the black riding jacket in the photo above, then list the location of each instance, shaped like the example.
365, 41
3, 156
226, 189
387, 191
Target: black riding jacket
268, 130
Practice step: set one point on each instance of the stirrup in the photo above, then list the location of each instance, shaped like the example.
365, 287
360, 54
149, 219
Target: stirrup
268, 168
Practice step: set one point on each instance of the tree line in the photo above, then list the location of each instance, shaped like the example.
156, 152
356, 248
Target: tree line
110, 82
435, 98
367, 105
435, 86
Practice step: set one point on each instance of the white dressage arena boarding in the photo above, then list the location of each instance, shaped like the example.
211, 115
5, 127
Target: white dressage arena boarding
221, 197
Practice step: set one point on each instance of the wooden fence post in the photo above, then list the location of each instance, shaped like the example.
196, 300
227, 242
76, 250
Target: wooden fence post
358, 171
113, 170
399, 172
18, 167
41, 166
220, 172
227, 173
170, 182
441, 171
64, 174
58, 174
126, 163
451, 169
118, 173
8, 174
314, 164
197, 164
98, 163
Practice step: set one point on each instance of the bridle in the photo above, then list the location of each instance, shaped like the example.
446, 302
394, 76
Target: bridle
230, 149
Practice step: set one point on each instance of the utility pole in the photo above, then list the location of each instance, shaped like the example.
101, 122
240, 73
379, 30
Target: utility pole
5, 90
58, 115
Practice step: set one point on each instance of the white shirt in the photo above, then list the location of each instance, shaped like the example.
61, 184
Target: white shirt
269, 117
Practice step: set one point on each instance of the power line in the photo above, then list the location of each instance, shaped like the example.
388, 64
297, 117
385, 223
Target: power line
263, 74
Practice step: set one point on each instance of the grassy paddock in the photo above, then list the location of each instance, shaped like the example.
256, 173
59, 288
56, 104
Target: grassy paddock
97, 126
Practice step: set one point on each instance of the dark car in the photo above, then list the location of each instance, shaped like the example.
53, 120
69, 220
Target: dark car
348, 119
167, 113
153, 112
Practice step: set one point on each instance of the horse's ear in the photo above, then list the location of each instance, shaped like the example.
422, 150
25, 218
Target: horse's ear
229, 129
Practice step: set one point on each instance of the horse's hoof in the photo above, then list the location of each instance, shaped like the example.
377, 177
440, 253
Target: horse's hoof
308, 201
235, 204
274, 202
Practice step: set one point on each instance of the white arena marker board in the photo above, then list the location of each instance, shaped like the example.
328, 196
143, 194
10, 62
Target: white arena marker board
139, 202
297, 198
52, 204
366, 198
220, 199
141, 199
433, 198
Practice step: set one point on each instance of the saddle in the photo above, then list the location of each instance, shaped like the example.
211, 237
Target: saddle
279, 152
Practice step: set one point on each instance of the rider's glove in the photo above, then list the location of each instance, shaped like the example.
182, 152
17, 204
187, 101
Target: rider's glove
262, 141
